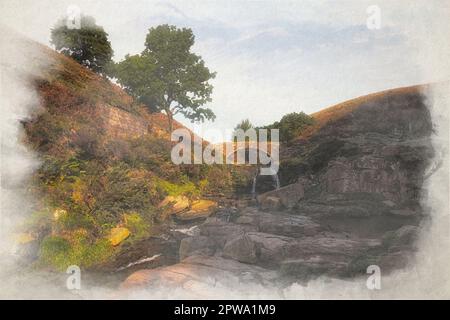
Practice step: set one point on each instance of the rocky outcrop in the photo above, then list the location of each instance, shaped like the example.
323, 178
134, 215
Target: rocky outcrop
351, 198
296, 247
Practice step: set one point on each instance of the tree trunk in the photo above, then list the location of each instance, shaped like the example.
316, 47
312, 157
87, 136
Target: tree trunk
170, 120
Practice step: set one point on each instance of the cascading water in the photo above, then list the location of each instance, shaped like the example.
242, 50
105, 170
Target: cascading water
275, 179
254, 186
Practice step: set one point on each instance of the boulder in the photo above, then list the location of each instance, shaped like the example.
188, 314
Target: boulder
270, 203
117, 235
195, 245
270, 249
174, 204
288, 196
200, 272
198, 209
287, 225
242, 249
220, 231
273, 250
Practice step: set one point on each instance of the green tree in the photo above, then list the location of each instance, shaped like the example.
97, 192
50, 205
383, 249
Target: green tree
243, 125
87, 44
292, 125
167, 76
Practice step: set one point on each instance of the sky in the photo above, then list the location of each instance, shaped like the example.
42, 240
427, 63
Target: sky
273, 57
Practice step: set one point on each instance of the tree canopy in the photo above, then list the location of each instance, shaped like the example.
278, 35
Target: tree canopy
244, 125
88, 44
167, 76
291, 125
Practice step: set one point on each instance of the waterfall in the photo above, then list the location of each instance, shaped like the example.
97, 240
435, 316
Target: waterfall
276, 180
254, 186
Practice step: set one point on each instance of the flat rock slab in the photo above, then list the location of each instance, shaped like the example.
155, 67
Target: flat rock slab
196, 271
271, 250
281, 224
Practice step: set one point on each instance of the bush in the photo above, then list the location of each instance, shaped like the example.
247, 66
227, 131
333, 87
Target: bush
172, 189
74, 249
54, 252
138, 226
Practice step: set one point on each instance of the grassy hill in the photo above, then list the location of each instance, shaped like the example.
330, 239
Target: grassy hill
105, 163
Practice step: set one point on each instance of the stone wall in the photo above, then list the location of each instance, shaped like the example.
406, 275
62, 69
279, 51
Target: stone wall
119, 123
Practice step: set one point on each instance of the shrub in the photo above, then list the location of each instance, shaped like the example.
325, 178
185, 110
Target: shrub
54, 252
138, 226
172, 189
74, 249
